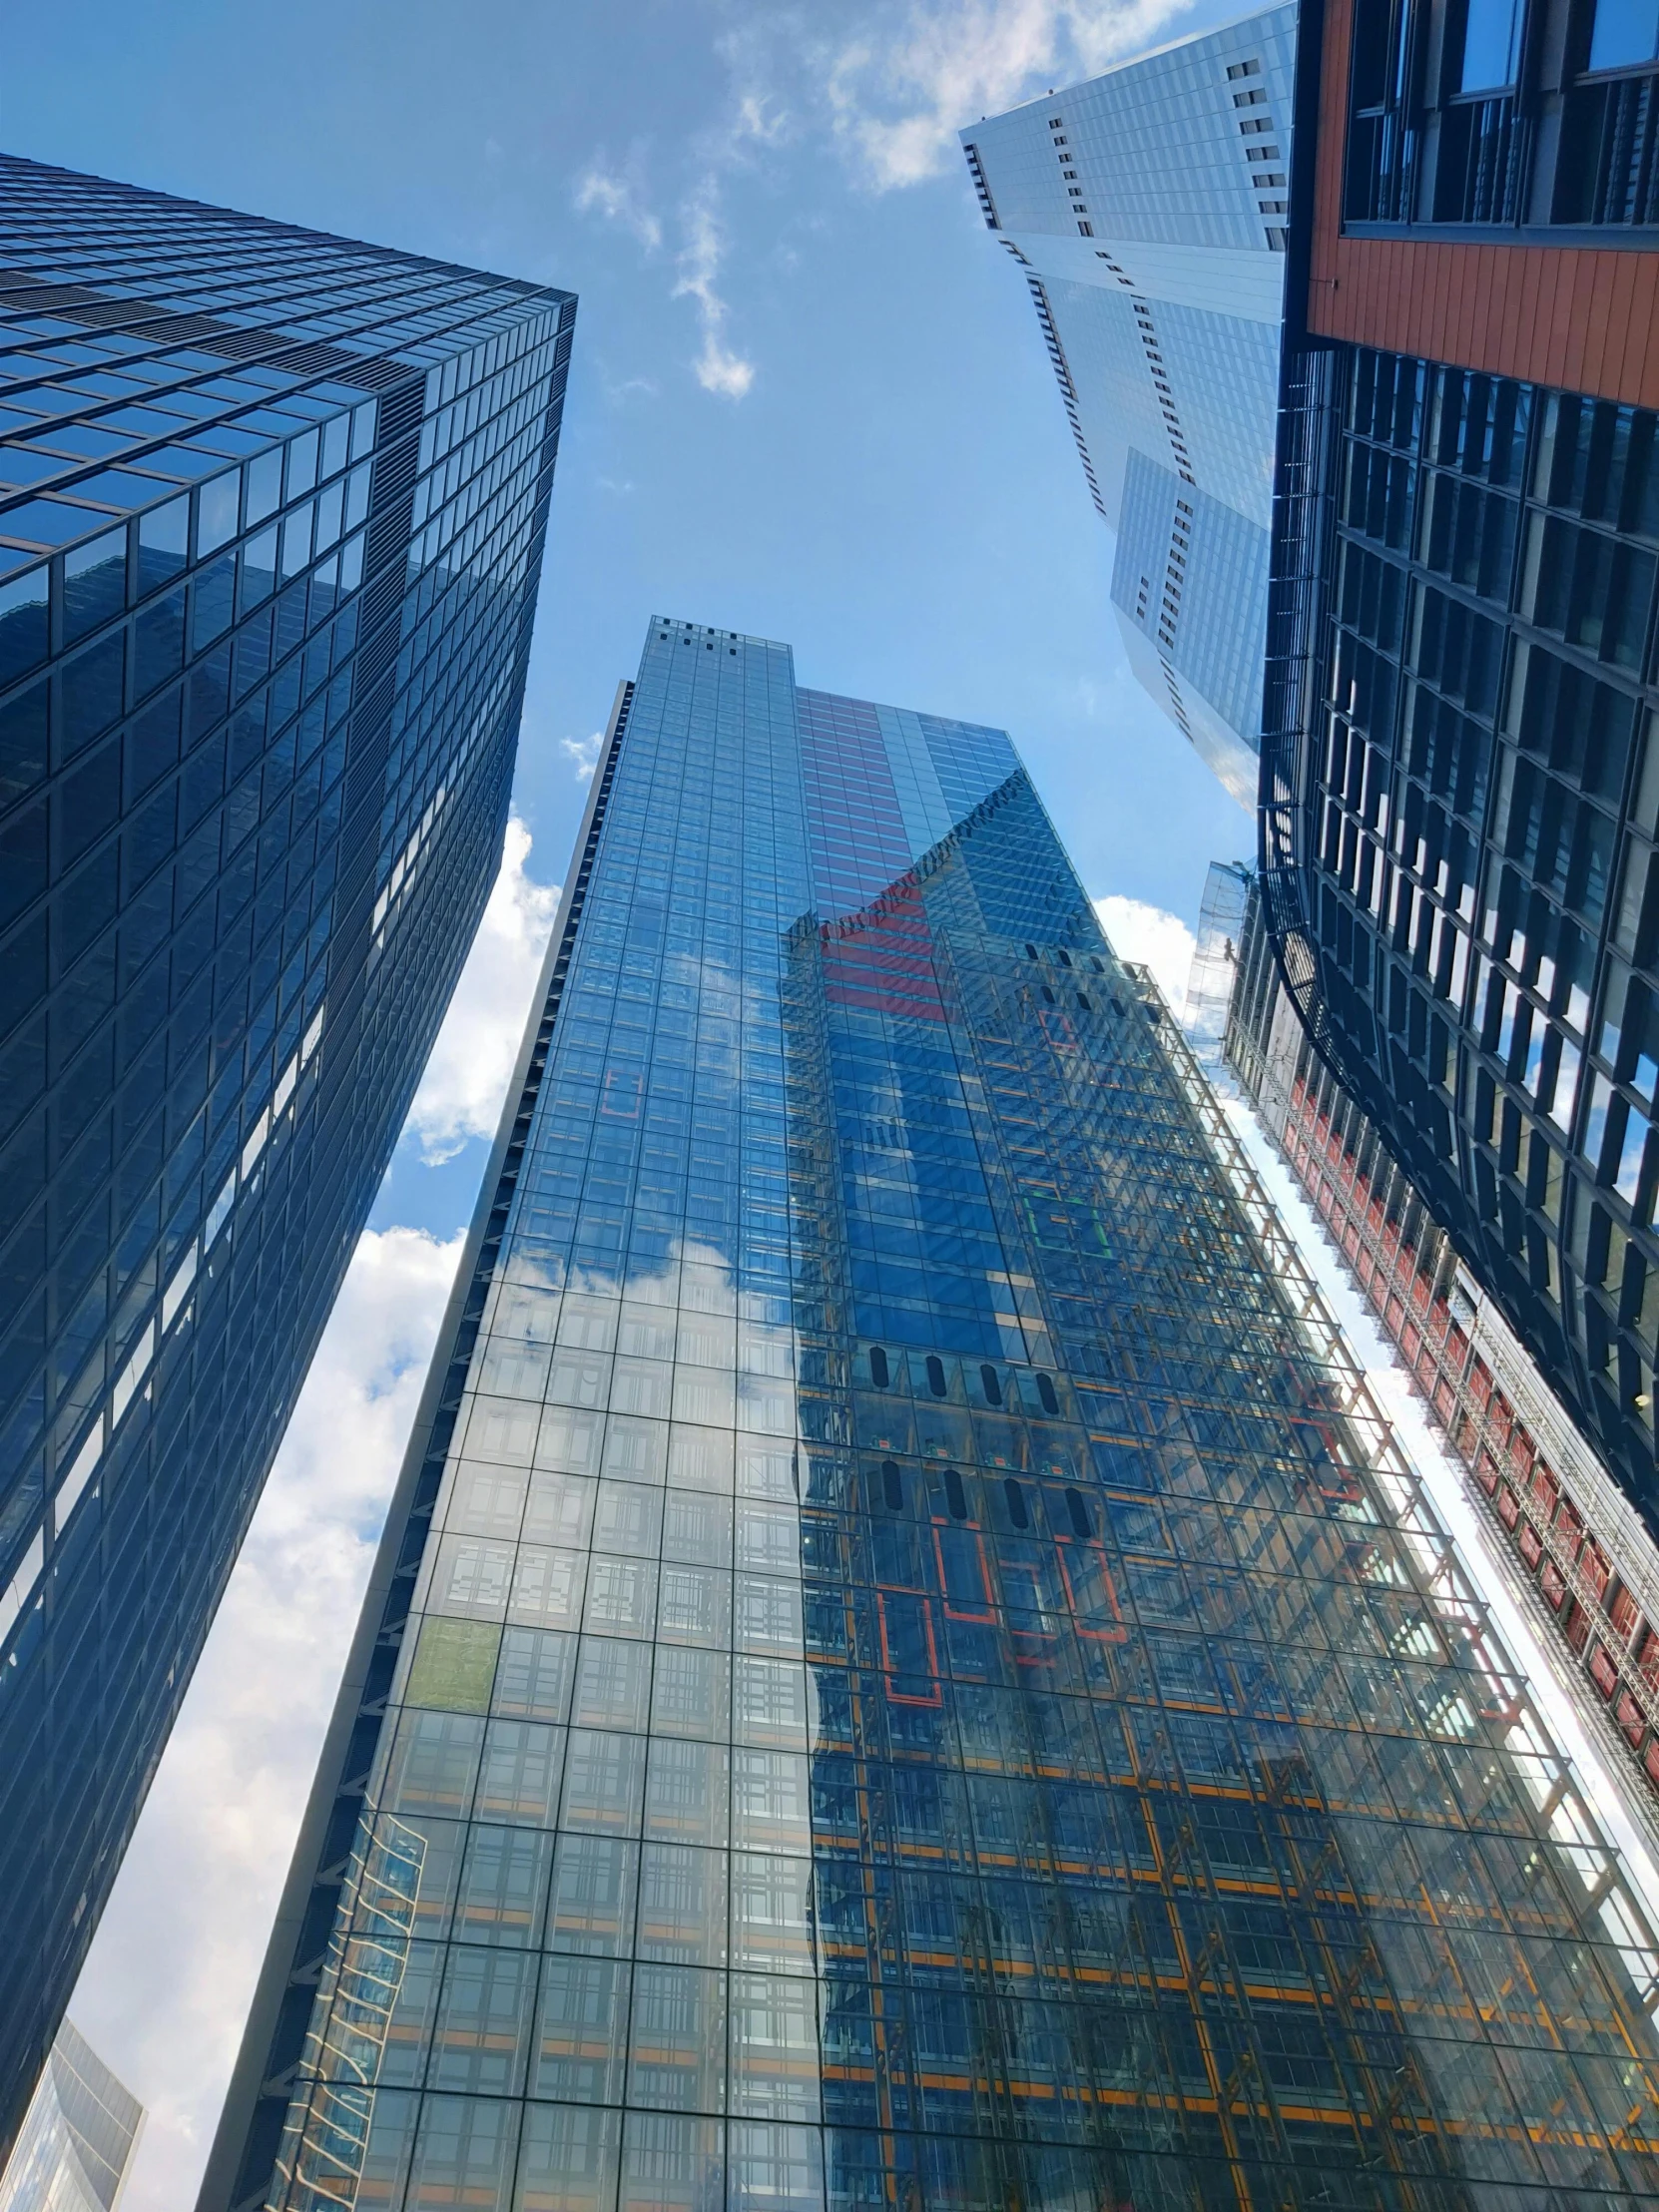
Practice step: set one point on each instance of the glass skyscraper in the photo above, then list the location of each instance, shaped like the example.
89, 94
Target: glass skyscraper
1147, 210
905, 1669
75, 2148
272, 508
1568, 1541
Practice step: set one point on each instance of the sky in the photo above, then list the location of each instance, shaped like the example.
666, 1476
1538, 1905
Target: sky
809, 401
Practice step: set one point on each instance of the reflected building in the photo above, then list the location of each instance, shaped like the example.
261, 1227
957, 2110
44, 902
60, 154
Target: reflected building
1147, 212
75, 2148
1223, 916
905, 1669
1575, 1550
272, 513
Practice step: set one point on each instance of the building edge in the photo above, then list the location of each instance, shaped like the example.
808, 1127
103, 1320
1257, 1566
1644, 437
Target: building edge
235, 2136
1517, 1453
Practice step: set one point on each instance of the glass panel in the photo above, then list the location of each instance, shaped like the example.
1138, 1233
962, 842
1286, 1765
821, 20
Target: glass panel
1490, 34
1626, 31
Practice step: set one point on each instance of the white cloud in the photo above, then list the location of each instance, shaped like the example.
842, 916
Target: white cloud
758, 118
717, 368
466, 1078
891, 88
584, 752
898, 94
167, 1985
617, 195
753, 119
1153, 938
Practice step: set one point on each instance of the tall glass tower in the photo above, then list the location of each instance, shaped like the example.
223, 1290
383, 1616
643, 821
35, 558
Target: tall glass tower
75, 2148
272, 508
905, 1669
1147, 212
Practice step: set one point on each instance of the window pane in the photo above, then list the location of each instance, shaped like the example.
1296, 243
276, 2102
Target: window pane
1625, 31
1489, 45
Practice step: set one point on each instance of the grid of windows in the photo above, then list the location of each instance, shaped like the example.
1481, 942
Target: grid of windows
1164, 330
1478, 829
928, 1682
1155, 143
254, 768
1507, 112
77, 2138
1574, 1544
857, 831
1191, 572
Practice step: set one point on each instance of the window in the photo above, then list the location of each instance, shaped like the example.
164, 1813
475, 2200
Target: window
1626, 33
1491, 32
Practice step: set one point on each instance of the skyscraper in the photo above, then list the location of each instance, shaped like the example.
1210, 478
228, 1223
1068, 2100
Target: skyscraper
1573, 1544
272, 508
1461, 771
75, 2148
1147, 209
904, 1667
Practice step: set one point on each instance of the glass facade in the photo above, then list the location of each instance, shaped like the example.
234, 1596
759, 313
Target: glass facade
1574, 1545
905, 1668
272, 508
77, 2142
1465, 806
1147, 210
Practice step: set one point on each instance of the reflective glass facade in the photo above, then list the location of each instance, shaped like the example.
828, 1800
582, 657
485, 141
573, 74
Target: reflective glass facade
1570, 1538
1147, 210
905, 1669
78, 2136
1465, 803
272, 508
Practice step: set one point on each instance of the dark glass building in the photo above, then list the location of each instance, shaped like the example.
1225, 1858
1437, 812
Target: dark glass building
1461, 781
272, 508
905, 1669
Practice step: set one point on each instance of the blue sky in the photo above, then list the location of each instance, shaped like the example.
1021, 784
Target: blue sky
808, 399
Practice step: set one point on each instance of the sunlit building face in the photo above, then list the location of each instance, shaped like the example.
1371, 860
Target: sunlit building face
906, 1669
